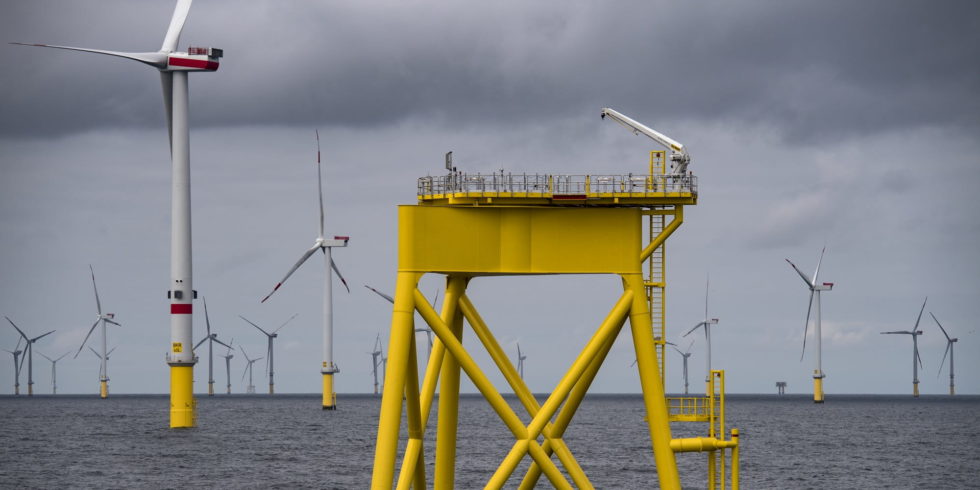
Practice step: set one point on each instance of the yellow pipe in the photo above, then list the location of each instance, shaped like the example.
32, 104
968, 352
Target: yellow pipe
547, 466
414, 416
182, 402
104, 389
507, 466
329, 397
735, 462
389, 421
448, 421
700, 444
652, 386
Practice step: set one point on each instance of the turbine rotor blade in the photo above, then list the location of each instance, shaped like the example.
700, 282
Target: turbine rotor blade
207, 320
21, 332
35, 339
383, 295
154, 59
199, 343
176, 25
919, 358
222, 343
319, 181
806, 325
806, 279
817, 272
333, 265
112, 322
940, 326
285, 322
86, 338
693, 329
948, 345
906, 332
299, 262
920, 314
254, 325
98, 304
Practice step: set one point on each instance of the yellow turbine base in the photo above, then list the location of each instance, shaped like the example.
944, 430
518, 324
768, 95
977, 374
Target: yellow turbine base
182, 404
104, 389
817, 390
329, 397
915, 390
210, 389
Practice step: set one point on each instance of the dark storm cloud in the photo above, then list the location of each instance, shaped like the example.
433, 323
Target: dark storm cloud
815, 70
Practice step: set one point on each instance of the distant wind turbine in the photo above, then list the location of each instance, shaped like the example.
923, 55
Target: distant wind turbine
916, 360
30, 355
520, 361
328, 368
269, 357
101, 319
376, 355
18, 362
707, 323
685, 355
949, 350
815, 289
248, 370
174, 67
426, 330
228, 357
211, 338
100, 356
54, 371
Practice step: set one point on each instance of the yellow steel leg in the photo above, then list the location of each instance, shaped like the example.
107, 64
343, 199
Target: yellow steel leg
402, 331
735, 462
329, 396
104, 389
653, 389
416, 473
445, 470
817, 390
182, 404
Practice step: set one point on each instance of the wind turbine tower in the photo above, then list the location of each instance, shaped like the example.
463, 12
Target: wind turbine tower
815, 289
30, 355
228, 356
376, 355
248, 370
949, 350
916, 360
174, 67
328, 368
102, 318
54, 371
707, 323
211, 338
520, 361
18, 362
269, 358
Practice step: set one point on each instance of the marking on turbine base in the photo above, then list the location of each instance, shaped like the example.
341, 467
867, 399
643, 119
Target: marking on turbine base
178, 347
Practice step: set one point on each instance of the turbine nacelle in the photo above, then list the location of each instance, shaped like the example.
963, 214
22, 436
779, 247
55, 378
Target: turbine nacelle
195, 59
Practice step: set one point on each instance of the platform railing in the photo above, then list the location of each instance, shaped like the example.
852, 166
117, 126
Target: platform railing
534, 185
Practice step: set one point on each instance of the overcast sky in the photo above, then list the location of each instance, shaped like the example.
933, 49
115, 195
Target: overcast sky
854, 125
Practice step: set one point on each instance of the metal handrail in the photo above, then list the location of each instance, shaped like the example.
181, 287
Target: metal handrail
556, 184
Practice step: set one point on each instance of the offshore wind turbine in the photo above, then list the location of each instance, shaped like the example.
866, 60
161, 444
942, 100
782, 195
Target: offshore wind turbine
102, 318
949, 350
100, 356
228, 357
915, 333
520, 361
211, 338
707, 323
54, 371
685, 355
328, 368
815, 289
271, 337
248, 369
18, 362
174, 67
30, 355
376, 361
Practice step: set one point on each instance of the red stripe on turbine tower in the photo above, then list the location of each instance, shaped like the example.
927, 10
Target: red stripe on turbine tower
181, 308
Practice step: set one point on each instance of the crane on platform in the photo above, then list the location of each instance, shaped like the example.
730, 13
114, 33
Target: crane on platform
678, 154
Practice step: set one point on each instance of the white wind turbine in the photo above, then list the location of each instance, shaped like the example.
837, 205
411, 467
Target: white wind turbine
174, 67
54, 371
30, 355
269, 357
815, 289
102, 318
685, 356
916, 360
248, 370
520, 361
328, 367
376, 355
949, 350
228, 357
100, 356
426, 330
707, 323
211, 338
18, 362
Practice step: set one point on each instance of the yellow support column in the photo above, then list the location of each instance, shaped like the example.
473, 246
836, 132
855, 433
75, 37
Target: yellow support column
329, 396
104, 389
445, 470
182, 402
817, 390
